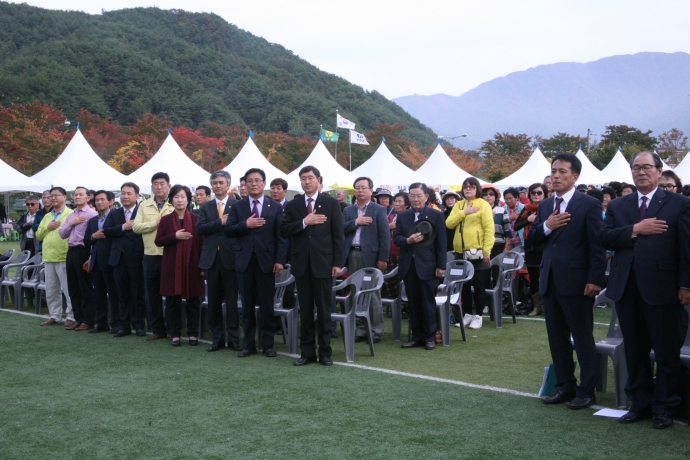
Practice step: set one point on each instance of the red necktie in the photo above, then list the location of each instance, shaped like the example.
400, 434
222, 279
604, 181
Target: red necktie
309, 208
256, 209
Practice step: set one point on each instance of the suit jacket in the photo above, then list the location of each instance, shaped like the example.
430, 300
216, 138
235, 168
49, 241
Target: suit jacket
266, 240
321, 246
661, 262
101, 248
426, 259
573, 253
126, 243
210, 227
23, 227
165, 238
374, 238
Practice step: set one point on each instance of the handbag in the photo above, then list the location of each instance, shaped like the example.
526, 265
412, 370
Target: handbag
469, 254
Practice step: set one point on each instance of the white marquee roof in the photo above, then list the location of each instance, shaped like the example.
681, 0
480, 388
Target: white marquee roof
590, 175
334, 175
250, 157
535, 169
12, 180
683, 169
441, 170
79, 165
618, 169
386, 170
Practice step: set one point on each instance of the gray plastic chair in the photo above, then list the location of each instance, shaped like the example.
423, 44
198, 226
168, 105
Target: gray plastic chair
29, 282
394, 306
362, 284
6, 256
612, 346
511, 282
10, 286
203, 312
458, 272
685, 349
289, 318
40, 285
508, 264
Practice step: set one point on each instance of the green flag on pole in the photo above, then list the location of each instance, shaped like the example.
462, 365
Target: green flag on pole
329, 136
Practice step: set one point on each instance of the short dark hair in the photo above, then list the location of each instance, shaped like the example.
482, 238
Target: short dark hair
609, 191
256, 170
674, 177
421, 185
658, 164
630, 186
686, 190
278, 181
160, 175
59, 189
369, 181
243, 179
535, 186
309, 168
131, 184
108, 194
512, 191
575, 163
83, 188
405, 197
595, 193
176, 189
206, 189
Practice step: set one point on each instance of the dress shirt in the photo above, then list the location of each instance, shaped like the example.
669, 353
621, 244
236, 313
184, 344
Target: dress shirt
360, 212
259, 206
30, 219
222, 202
131, 211
101, 220
567, 196
75, 235
306, 203
649, 197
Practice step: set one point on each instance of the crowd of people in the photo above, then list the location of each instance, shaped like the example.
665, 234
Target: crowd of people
116, 265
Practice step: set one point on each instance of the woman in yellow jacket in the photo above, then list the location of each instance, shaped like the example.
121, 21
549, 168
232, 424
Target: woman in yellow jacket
473, 221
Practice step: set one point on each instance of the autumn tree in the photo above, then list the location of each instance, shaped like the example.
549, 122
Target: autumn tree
673, 144
619, 135
504, 154
561, 143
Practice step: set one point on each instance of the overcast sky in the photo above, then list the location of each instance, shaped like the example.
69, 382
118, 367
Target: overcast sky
403, 47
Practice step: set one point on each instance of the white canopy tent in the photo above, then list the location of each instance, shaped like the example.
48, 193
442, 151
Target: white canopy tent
683, 169
590, 175
441, 171
618, 169
386, 170
12, 180
334, 175
172, 160
79, 165
250, 157
535, 169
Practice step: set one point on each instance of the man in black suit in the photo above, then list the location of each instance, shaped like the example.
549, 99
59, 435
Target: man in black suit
127, 256
367, 243
218, 263
421, 267
572, 274
255, 221
102, 274
315, 224
649, 230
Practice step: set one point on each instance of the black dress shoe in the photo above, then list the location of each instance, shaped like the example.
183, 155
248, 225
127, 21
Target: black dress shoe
193, 342
377, 339
246, 352
634, 417
234, 346
270, 352
216, 346
411, 345
430, 346
175, 343
141, 333
582, 403
97, 329
662, 421
122, 333
302, 361
325, 361
359, 339
113, 330
558, 397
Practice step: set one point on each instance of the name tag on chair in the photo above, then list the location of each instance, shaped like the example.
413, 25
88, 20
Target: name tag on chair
509, 261
367, 278
456, 272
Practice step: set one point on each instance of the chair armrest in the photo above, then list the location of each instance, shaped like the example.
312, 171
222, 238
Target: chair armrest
391, 274
287, 282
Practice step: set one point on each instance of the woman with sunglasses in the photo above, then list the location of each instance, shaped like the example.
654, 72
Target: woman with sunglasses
533, 254
473, 222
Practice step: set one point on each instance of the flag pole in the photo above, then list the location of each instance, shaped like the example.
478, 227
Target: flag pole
349, 136
335, 155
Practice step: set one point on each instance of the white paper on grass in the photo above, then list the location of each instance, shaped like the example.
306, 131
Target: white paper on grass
613, 413
456, 272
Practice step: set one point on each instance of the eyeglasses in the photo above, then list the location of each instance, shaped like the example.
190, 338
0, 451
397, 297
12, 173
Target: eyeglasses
359, 189
488, 194
536, 192
254, 181
32, 204
647, 167
667, 186
469, 186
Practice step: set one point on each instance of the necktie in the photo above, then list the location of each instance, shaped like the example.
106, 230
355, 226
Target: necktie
643, 208
558, 205
309, 208
416, 216
221, 208
128, 214
255, 210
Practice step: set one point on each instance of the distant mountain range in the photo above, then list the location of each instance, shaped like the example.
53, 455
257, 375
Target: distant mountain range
644, 90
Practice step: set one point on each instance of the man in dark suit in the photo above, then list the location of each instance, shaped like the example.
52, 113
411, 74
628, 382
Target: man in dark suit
127, 256
315, 224
218, 263
572, 274
421, 267
649, 230
255, 221
367, 243
102, 273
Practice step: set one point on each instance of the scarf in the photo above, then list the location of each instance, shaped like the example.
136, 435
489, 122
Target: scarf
183, 252
529, 209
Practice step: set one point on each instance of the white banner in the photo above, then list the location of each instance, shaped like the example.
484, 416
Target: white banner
344, 122
357, 138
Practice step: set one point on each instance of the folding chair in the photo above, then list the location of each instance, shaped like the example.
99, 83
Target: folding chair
508, 264
612, 346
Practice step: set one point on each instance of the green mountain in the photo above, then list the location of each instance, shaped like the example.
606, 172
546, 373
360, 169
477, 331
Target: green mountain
193, 67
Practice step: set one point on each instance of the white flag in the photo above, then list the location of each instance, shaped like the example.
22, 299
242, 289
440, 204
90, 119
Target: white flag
344, 122
357, 138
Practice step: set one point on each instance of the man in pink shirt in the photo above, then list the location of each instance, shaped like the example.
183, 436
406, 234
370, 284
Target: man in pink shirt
78, 280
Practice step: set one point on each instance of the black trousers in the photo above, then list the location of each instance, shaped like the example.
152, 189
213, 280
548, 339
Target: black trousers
30, 246
106, 300
129, 283
313, 292
257, 289
173, 315
79, 285
479, 282
154, 302
650, 327
223, 286
565, 316
421, 295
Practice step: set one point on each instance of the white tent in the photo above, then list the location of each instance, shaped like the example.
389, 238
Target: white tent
334, 175
590, 175
386, 170
78, 165
618, 169
250, 157
172, 160
535, 169
12, 180
683, 169
440, 170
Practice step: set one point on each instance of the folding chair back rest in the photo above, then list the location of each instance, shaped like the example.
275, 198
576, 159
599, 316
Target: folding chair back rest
367, 279
7, 256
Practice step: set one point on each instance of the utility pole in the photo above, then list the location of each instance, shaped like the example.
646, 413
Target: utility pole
588, 131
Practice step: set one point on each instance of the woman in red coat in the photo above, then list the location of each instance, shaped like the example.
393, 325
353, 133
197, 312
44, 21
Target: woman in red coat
181, 277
